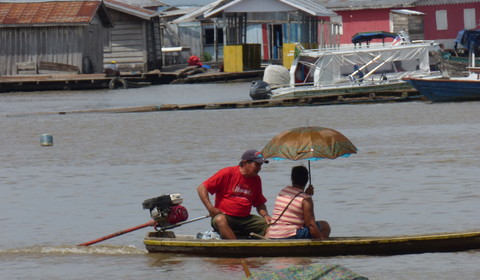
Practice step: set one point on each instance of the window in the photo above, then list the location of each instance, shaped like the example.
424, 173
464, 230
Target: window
210, 36
441, 19
338, 20
469, 18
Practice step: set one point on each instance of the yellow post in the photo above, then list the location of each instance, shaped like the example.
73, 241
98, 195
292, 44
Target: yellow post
232, 58
238, 58
288, 54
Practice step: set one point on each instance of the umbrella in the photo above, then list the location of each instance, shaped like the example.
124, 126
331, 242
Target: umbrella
310, 143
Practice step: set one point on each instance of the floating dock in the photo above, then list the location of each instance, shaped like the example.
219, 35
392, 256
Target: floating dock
331, 99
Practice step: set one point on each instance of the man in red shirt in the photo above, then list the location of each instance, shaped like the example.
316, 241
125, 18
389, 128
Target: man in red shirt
236, 190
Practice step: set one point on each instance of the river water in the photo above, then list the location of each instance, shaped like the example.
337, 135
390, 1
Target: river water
416, 171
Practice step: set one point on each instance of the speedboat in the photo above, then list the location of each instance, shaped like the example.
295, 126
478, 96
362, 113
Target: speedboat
370, 68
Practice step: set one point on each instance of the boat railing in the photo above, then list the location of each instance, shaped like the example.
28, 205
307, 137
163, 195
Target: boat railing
277, 86
371, 47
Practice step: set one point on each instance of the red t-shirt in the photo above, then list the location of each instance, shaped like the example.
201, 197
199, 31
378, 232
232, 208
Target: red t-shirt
235, 194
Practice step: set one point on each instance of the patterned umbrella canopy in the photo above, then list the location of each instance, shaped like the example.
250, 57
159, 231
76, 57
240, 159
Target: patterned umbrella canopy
310, 143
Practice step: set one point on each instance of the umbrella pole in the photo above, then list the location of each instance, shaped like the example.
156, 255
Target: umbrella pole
309, 173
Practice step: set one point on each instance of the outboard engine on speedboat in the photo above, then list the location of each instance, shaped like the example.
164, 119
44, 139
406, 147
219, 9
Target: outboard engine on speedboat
260, 90
166, 209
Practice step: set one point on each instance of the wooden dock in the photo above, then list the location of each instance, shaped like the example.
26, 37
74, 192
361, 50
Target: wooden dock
216, 76
40, 82
187, 75
184, 74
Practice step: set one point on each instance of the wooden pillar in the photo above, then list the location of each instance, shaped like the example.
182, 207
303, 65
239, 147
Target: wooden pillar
215, 40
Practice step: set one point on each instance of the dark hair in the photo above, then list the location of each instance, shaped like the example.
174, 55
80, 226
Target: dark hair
299, 175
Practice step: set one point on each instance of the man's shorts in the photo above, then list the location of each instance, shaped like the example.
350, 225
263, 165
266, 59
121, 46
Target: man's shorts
304, 232
245, 225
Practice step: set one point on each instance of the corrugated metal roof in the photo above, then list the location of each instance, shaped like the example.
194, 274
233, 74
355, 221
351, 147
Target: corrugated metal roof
130, 9
408, 12
77, 12
145, 3
443, 2
197, 13
310, 6
313, 7
179, 12
339, 5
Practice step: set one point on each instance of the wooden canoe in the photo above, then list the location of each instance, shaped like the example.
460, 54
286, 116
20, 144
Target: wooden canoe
167, 242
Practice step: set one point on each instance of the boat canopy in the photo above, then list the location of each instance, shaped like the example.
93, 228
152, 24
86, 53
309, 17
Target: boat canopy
337, 66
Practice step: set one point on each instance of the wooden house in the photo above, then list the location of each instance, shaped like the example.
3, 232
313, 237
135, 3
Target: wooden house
189, 32
273, 23
134, 42
270, 24
52, 37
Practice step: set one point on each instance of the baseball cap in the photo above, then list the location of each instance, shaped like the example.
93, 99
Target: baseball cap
254, 155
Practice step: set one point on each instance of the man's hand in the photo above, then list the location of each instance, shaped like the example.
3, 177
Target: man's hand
309, 190
214, 212
268, 219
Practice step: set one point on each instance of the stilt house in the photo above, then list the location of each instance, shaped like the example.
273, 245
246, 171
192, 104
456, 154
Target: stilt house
52, 37
134, 42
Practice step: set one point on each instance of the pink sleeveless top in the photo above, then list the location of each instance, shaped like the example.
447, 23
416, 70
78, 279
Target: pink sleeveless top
292, 218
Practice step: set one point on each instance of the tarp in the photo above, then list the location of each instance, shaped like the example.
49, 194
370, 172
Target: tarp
470, 39
309, 272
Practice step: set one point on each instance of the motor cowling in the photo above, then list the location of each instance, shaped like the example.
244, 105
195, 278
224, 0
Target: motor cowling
260, 90
166, 209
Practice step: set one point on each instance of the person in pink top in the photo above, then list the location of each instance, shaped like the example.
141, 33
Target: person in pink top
293, 216
237, 189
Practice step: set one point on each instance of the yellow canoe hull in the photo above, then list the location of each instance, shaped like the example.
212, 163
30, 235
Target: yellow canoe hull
167, 242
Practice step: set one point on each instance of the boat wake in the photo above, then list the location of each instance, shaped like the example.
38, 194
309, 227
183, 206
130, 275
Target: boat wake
75, 250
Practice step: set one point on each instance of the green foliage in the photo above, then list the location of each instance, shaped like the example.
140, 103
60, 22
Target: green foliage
206, 57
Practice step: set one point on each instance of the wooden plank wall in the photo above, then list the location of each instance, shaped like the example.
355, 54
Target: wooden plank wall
69, 45
412, 24
154, 47
33, 44
128, 43
93, 43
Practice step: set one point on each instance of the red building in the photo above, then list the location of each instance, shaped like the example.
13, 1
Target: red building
439, 20
444, 19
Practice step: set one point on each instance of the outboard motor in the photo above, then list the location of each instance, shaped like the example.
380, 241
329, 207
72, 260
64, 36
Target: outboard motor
166, 209
260, 90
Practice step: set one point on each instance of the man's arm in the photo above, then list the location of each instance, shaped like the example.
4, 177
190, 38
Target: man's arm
309, 217
204, 197
262, 211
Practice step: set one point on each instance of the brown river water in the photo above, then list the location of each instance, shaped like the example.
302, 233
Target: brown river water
417, 171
